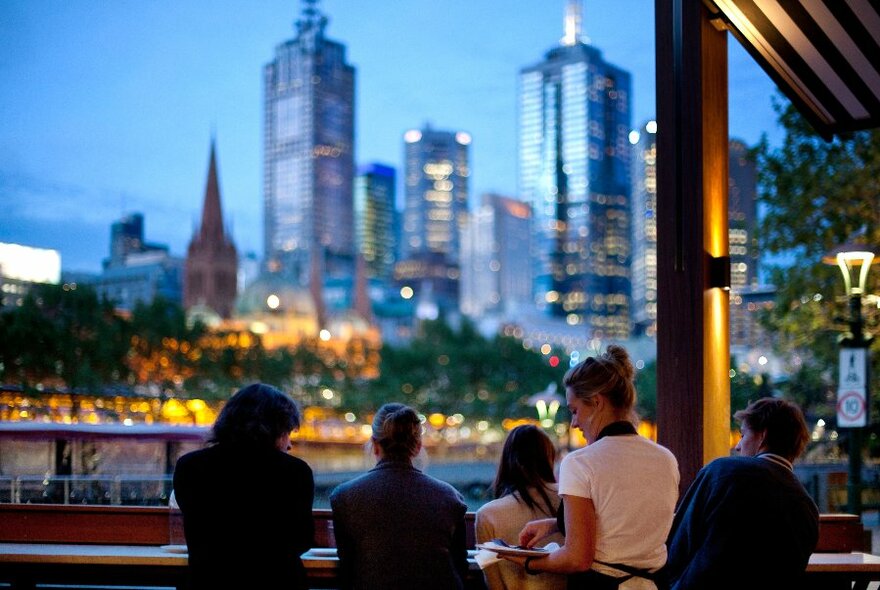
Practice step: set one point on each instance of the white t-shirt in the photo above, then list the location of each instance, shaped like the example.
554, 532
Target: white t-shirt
633, 483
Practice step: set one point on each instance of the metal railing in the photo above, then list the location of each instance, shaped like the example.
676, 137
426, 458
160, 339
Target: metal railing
155, 490
124, 490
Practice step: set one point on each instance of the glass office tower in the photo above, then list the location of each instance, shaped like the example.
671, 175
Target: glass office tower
574, 122
742, 211
436, 193
644, 225
496, 244
308, 162
374, 196
435, 210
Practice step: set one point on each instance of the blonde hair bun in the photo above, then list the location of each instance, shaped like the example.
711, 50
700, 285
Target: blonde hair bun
619, 357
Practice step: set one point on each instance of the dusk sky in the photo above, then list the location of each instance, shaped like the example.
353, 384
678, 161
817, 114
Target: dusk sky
108, 108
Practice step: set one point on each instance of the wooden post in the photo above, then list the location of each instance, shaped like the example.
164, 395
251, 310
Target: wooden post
693, 342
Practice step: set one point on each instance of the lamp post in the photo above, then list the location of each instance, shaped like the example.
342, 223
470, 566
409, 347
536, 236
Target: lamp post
854, 261
546, 403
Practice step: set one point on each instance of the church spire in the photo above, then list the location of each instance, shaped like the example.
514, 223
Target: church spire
211, 259
211, 229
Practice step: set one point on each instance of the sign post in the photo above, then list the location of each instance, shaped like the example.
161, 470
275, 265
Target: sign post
852, 402
853, 410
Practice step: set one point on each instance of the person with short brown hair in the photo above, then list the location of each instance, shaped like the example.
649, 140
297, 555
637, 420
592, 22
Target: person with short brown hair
747, 521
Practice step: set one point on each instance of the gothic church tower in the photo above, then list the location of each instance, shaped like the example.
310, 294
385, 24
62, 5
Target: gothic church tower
211, 260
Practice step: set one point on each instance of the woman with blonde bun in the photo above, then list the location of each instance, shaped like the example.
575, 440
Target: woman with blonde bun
618, 492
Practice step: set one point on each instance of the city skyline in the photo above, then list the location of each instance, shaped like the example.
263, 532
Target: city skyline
107, 116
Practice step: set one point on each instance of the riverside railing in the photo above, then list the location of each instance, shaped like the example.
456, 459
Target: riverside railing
118, 490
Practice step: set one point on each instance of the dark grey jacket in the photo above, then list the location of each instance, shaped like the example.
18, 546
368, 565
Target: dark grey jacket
745, 522
397, 528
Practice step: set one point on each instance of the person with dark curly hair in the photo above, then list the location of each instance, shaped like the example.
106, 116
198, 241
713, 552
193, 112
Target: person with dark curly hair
395, 526
247, 503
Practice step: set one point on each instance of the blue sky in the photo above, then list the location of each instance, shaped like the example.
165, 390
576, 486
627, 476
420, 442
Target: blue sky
109, 107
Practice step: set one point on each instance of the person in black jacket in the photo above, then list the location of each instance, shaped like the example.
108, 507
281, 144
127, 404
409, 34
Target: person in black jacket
747, 522
395, 527
247, 503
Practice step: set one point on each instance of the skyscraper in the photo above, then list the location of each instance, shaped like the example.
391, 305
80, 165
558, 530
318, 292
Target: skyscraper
748, 299
211, 269
436, 194
374, 214
742, 211
574, 121
644, 229
495, 244
435, 210
308, 167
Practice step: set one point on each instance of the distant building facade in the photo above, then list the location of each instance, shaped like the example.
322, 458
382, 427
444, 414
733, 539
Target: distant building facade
308, 155
144, 277
496, 247
375, 219
22, 267
437, 171
742, 199
574, 169
137, 271
211, 259
644, 229
747, 305
248, 271
126, 238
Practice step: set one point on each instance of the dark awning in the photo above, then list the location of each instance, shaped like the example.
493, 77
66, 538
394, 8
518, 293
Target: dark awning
823, 54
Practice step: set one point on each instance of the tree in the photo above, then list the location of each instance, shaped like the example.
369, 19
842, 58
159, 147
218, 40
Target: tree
816, 195
163, 346
63, 336
460, 371
746, 388
646, 391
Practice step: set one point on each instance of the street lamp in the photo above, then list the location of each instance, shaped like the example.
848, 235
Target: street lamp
854, 261
547, 403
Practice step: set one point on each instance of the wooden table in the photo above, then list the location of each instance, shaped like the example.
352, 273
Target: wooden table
842, 570
26, 564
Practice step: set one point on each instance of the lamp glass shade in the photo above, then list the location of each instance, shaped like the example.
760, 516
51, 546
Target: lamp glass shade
854, 266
